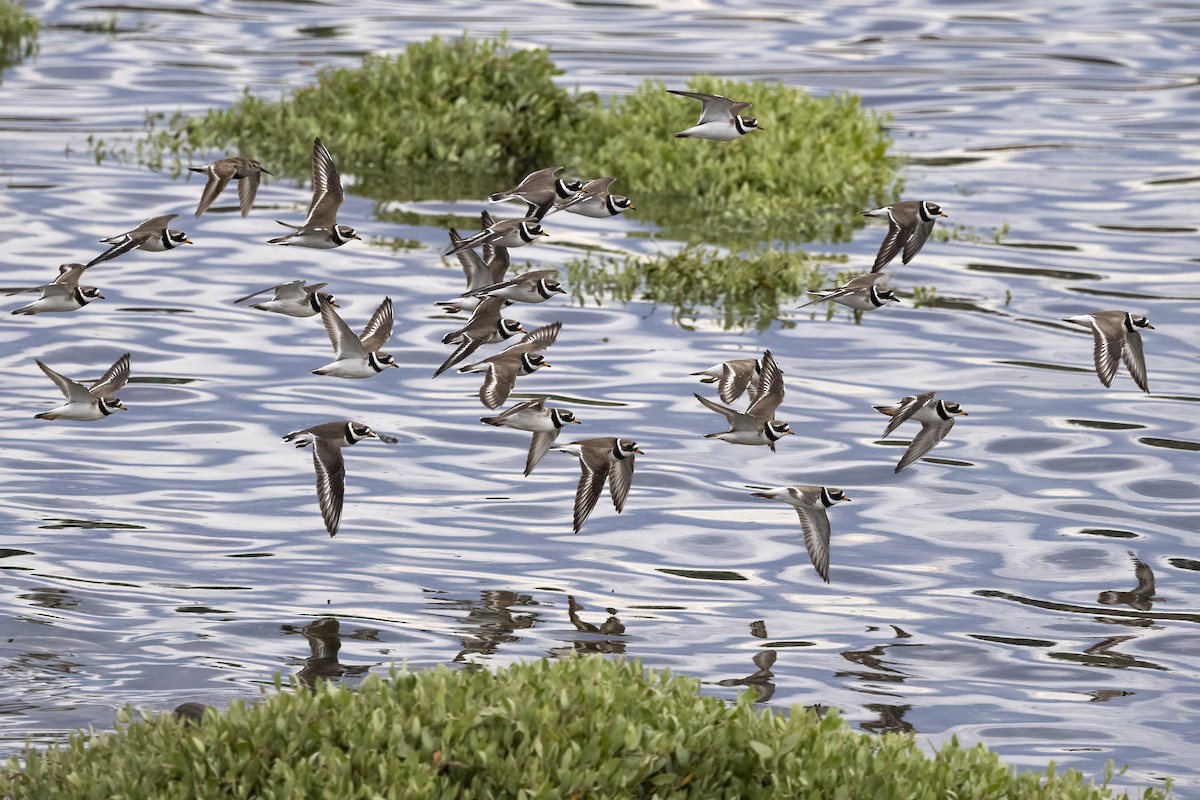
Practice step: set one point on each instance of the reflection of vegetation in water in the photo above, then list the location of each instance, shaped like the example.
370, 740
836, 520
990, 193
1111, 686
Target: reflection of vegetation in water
18, 33
452, 119
747, 288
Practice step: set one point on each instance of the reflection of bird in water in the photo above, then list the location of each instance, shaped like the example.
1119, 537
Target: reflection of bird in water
47, 597
324, 640
1104, 695
491, 621
759, 680
891, 719
1140, 598
610, 627
874, 660
758, 629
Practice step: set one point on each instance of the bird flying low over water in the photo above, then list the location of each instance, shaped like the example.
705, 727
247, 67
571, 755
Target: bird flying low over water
293, 299
540, 191
909, 224
246, 171
601, 459
533, 416
862, 293
520, 358
936, 418
1117, 336
152, 235
88, 403
358, 356
487, 270
321, 229
810, 503
327, 441
505, 233
757, 426
720, 118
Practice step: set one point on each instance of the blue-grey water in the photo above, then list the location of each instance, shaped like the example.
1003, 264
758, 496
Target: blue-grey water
175, 552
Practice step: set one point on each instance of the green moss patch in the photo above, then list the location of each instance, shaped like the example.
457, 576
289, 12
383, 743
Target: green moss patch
18, 33
581, 727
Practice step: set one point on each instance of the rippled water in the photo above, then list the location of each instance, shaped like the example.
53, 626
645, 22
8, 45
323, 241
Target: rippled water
175, 552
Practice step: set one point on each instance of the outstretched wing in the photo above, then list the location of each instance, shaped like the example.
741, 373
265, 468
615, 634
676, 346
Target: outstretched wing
906, 408
345, 343
218, 179
379, 328
814, 523
896, 235
327, 190
770, 390
620, 478
331, 482
114, 379
73, 391
247, 188
931, 433
1135, 359
594, 465
539, 446
536, 339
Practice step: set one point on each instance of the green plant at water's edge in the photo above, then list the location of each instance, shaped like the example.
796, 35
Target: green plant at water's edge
578, 727
747, 288
18, 33
454, 119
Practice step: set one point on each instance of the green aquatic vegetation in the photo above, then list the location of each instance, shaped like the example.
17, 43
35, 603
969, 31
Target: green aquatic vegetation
924, 296
577, 727
817, 163
462, 118
442, 119
745, 288
18, 33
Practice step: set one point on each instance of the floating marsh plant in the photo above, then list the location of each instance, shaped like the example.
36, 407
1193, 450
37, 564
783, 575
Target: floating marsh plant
18, 33
459, 119
579, 727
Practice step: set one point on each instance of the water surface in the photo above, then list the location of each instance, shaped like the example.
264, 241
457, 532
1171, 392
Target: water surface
175, 552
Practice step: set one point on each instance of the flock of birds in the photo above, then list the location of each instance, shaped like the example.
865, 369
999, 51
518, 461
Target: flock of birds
485, 261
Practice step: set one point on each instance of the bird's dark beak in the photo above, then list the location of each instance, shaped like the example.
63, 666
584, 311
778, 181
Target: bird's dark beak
943, 214
638, 450
1149, 326
847, 499
265, 171
577, 421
